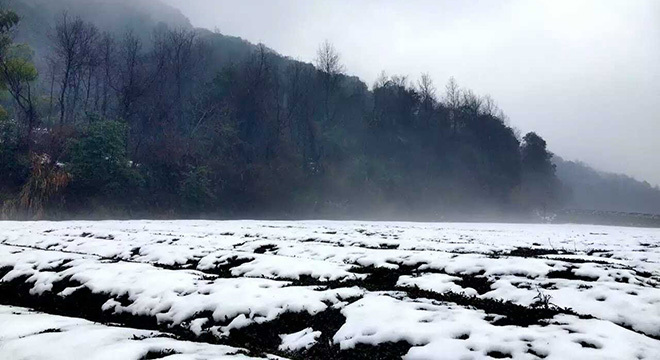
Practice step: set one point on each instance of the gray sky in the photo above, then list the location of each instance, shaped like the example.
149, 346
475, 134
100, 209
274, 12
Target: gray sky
585, 74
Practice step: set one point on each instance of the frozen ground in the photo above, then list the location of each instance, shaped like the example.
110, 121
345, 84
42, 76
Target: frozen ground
327, 290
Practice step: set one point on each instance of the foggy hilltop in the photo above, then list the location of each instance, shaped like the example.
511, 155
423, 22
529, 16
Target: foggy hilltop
121, 108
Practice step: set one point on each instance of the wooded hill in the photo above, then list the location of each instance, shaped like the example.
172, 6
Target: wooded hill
122, 108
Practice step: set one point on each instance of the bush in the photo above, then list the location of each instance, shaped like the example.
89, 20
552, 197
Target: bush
98, 163
42, 190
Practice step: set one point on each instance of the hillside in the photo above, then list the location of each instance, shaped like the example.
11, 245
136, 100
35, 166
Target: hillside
189, 122
597, 190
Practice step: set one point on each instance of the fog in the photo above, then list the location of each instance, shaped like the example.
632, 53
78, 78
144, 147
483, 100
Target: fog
584, 74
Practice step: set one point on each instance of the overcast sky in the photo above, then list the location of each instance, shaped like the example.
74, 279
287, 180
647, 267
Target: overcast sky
585, 75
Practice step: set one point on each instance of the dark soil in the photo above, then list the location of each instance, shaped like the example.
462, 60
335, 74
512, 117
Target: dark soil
270, 248
158, 354
568, 274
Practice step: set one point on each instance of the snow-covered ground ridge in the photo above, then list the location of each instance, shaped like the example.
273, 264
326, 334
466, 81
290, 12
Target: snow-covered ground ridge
322, 289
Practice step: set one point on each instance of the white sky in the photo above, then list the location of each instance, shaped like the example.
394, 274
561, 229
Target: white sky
583, 74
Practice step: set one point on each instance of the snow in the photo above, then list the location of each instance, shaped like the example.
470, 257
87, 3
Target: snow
439, 283
172, 296
445, 331
211, 278
303, 339
26, 335
276, 266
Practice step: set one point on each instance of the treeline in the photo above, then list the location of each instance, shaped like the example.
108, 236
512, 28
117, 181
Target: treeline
116, 125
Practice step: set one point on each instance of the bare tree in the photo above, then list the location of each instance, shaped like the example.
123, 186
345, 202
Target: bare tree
452, 94
328, 59
471, 102
453, 102
426, 88
107, 48
489, 107
74, 43
180, 48
381, 80
300, 110
128, 85
400, 81
428, 100
328, 62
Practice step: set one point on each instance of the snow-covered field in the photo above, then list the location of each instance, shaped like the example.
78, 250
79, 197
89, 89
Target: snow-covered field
327, 290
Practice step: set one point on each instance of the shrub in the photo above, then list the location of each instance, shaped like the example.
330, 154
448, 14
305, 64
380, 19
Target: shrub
98, 162
46, 182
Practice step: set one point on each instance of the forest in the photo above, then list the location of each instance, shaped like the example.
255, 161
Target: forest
154, 119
